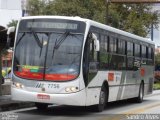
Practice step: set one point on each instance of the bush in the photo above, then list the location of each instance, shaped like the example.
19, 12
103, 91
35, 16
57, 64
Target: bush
156, 86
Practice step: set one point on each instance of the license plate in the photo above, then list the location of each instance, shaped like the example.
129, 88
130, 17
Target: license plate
47, 85
43, 96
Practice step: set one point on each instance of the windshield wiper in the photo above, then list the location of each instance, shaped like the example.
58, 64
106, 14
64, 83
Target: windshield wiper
20, 38
59, 41
37, 39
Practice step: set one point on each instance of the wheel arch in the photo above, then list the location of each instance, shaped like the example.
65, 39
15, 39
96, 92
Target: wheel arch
105, 83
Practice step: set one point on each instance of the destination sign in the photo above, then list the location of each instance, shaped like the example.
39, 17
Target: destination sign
53, 25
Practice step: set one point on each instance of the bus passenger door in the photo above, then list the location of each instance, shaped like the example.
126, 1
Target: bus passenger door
90, 60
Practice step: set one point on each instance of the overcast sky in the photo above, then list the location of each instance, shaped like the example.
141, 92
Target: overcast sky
14, 12
156, 32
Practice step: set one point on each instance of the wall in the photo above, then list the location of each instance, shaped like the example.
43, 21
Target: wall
9, 10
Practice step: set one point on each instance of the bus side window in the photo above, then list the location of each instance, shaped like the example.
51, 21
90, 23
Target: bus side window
93, 59
93, 54
150, 56
104, 53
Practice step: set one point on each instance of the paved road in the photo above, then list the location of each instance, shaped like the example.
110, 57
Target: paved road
114, 111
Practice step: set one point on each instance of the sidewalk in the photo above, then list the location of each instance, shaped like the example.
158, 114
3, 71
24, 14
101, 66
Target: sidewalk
7, 104
155, 92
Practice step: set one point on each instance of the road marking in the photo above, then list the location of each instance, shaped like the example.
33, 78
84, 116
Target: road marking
141, 109
121, 115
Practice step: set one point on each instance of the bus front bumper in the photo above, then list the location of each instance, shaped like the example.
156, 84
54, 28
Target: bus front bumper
75, 99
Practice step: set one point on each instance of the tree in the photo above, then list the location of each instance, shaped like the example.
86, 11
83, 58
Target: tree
134, 18
157, 67
3, 50
12, 23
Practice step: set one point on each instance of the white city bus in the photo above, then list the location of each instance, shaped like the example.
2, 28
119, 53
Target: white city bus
79, 62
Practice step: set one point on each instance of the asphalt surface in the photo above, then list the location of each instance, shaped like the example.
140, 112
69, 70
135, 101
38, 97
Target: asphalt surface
114, 111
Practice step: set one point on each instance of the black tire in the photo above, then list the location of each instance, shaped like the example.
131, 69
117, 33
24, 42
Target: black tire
139, 99
103, 99
41, 106
2, 80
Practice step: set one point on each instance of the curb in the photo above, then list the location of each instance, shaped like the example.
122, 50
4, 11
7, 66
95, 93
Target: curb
154, 93
15, 105
6, 89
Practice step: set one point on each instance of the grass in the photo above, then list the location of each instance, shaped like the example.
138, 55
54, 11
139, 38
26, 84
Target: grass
156, 86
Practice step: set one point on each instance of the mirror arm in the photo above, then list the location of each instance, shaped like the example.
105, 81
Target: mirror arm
9, 31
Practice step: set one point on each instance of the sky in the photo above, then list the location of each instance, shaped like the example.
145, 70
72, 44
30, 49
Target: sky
14, 12
9, 10
156, 32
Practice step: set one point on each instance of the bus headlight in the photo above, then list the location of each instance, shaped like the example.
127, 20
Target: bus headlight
18, 85
71, 89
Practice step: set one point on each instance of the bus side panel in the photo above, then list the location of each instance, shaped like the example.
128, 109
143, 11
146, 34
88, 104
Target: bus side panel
94, 87
92, 96
129, 85
148, 79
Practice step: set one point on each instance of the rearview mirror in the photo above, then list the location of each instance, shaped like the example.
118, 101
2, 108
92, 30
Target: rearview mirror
96, 42
10, 30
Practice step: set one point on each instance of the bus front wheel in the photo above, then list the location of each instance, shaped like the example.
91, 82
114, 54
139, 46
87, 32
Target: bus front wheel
41, 106
103, 98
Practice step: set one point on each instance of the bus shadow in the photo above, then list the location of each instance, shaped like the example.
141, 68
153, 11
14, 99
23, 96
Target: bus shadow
123, 103
59, 111
80, 111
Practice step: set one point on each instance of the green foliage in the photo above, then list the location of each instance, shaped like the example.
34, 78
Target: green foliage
12, 23
134, 18
156, 86
157, 59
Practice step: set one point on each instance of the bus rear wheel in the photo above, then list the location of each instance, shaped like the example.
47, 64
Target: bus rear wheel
103, 98
41, 106
139, 99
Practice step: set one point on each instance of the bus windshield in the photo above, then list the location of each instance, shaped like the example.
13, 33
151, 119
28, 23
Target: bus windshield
50, 51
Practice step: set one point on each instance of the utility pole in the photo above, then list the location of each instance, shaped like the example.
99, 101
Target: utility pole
152, 31
23, 7
107, 11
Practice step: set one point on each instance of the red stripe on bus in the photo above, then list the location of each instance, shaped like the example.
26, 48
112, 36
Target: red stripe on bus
51, 77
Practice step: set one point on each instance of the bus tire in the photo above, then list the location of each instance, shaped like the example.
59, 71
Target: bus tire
2, 80
103, 99
41, 106
139, 99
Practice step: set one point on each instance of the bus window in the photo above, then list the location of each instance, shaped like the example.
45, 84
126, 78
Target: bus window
150, 56
129, 49
93, 60
121, 46
103, 52
117, 62
137, 50
112, 45
102, 41
144, 52
130, 63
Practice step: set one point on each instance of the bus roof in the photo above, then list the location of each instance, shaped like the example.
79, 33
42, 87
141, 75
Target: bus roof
94, 23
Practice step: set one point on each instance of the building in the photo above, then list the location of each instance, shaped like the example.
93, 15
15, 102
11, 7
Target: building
9, 10
157, 50
7, 59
